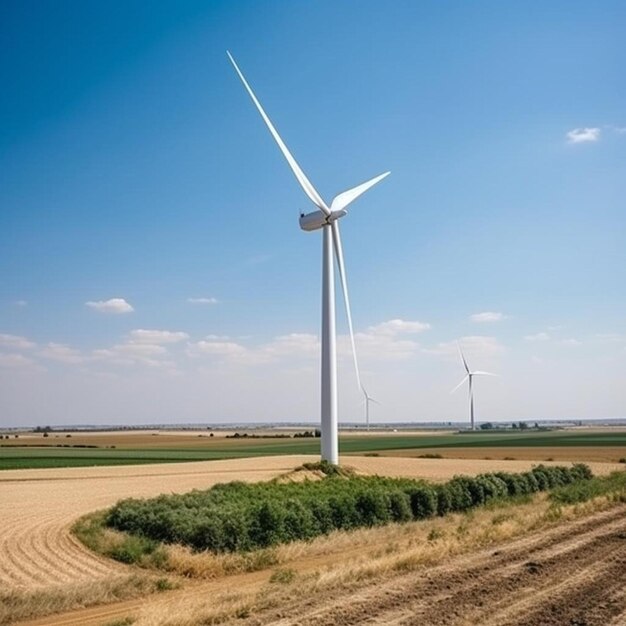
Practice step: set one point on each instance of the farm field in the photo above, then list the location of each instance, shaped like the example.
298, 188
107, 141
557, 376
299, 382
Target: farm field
40, 505
583, 454
142, 448
37, 552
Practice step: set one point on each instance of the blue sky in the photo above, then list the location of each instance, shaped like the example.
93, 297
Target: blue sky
133, 166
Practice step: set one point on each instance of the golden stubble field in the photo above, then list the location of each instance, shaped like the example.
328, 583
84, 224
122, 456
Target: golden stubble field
38, 507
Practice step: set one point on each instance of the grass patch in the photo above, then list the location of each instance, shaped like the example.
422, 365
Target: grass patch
613, 484
327, 468
17, 605
283, 576
129, 549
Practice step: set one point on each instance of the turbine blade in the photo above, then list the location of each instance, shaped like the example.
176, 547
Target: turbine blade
346, 297
342, 200
464, 379
305, 183
463, 359
479, 373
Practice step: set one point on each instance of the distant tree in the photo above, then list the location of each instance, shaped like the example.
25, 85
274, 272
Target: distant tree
210, 434
318, 433
486, 426
45, 434
537, 425
514, 425
523, 426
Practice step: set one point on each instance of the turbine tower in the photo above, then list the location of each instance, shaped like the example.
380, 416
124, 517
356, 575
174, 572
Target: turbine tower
469, 376
325, 218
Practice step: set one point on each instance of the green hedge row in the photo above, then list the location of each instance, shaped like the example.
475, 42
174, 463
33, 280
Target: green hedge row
244, 516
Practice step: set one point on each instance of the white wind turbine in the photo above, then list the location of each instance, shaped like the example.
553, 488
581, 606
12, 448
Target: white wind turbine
324, 218
368, 399
469, 376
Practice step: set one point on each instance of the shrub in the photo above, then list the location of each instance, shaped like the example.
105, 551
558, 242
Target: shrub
444, 500
461, 498
400, 506
133, 549
373, 507
241, 516
267, 525
423, 502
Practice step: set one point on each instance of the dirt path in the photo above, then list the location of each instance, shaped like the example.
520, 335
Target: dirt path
572, 575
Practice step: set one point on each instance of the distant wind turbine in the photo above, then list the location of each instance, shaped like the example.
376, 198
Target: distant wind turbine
368, 399
325, 218
469, 376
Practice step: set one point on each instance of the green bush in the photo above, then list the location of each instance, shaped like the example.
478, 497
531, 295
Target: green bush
133, 549
583, 490
241, 516
444, 500
423, 501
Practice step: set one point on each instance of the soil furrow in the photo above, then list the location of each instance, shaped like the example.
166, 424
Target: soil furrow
471, 590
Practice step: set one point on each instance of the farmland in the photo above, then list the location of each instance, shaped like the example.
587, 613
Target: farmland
129, 449
44, 568
39, 555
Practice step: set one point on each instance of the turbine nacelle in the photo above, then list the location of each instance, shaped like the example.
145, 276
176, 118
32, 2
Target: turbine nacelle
318, 219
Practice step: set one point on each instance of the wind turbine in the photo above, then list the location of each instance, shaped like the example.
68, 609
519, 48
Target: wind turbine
325, 218
368, 399
469, 376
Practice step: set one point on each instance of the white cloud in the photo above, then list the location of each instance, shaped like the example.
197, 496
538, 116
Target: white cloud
139, 350
20, 303
583, 135
610, 337
114, 306
63, 353
537, 337
142, 336
202, 300
15, 342
487, 316
219, 348
294, 344
472, 345
387, 340
398, 326
571, 343
379, 346
129, 354
15, 361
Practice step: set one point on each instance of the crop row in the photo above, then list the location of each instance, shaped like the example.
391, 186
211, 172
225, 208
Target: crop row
244, 516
